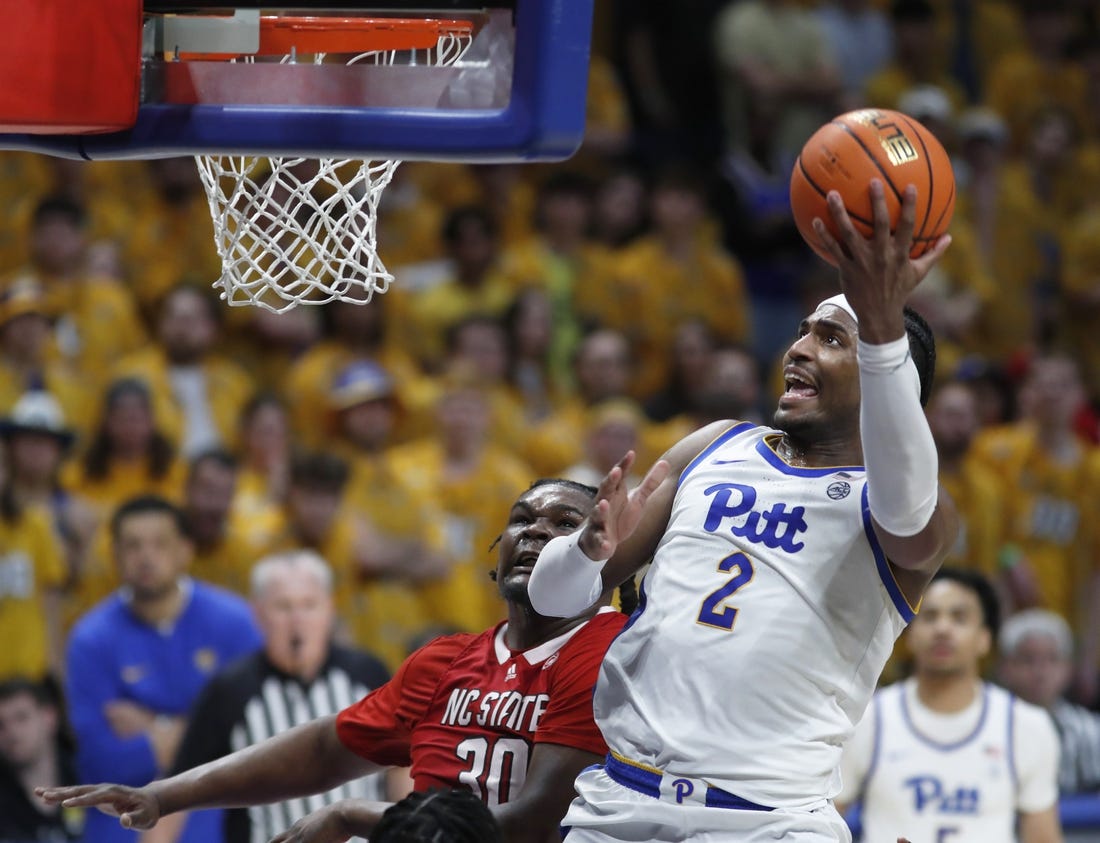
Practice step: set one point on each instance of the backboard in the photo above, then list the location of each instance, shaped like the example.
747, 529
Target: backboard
183, 77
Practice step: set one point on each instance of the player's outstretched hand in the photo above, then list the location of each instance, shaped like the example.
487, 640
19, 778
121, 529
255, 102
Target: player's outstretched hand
335, 823
618, 510
135, 807
876, 273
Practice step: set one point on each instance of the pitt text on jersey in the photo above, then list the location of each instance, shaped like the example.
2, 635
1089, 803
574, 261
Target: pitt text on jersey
496, 709
780, 527
930, 793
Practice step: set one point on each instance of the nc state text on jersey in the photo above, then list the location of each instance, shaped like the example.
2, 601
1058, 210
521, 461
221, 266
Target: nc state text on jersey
510, 709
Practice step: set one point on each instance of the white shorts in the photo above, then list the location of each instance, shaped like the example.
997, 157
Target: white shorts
606, 810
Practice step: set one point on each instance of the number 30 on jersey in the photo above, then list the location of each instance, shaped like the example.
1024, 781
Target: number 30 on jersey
496, 768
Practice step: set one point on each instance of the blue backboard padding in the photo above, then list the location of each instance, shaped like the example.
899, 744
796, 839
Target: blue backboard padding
543, 121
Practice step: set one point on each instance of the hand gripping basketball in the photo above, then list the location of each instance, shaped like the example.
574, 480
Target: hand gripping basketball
877, 273
848, 152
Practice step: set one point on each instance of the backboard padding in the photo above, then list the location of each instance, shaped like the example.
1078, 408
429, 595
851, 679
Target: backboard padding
542, 118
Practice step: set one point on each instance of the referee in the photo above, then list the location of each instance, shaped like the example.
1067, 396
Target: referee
299, 675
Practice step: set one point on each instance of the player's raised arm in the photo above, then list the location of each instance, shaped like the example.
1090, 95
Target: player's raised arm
305, 760
915, 521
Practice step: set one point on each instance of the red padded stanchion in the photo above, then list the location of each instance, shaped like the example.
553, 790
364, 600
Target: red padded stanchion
70, 66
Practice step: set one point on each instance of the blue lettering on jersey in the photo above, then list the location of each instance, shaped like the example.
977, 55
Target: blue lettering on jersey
779, 529
929, 792
684, 789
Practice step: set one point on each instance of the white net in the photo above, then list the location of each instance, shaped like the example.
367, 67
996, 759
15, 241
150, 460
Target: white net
296, 230
293, 231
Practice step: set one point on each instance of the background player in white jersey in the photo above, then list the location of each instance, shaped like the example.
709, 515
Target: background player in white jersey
944, 756
786, 562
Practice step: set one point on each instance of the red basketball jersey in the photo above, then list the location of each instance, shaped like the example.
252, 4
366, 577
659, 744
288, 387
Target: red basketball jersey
466, 711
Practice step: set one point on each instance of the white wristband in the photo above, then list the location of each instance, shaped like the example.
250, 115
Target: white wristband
898, 450
564, 581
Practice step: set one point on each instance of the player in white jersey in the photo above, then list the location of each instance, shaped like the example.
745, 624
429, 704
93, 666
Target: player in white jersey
944, 756
785, 563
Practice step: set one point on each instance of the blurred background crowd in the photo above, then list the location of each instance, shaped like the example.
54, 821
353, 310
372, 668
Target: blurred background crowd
543, 320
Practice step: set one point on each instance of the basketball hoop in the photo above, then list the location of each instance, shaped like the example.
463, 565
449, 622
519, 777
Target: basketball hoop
297, 121
296, 230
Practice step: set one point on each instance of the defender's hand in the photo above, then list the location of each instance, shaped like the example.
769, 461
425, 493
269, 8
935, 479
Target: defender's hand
135, 807
618, 511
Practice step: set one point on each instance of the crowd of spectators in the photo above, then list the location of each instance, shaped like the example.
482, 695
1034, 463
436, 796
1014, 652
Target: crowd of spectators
543, 320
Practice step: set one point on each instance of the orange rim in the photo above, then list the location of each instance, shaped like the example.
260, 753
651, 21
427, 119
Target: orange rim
282, 36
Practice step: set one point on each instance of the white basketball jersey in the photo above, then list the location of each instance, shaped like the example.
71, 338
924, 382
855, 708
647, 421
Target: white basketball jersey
932, 791
766, 618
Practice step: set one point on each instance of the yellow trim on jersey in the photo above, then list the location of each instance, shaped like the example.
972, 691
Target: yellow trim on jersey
637, 764
890, 568
640, 766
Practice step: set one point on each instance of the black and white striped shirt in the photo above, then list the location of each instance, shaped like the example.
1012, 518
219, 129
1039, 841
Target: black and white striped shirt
251, 701
1079, 730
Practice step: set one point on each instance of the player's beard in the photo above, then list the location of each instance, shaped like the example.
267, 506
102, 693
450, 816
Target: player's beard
797, 426
514, 591
810, 429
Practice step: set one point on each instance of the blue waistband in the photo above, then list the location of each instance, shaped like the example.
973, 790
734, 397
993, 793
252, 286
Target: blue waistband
648, 782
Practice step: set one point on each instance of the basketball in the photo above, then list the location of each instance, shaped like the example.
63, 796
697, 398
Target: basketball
846, 153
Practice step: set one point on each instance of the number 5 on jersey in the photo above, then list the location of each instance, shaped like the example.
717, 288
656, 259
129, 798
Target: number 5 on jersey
714, 612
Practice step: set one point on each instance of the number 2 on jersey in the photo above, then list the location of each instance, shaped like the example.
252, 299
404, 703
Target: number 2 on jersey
713, 613
502, 777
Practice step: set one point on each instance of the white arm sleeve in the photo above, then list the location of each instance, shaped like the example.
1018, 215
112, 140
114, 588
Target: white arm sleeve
898, 451
564, 581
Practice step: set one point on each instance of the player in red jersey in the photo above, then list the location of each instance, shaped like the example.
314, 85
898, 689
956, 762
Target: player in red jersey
507, 713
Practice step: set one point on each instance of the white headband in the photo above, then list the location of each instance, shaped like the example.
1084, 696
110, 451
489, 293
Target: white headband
841, 302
